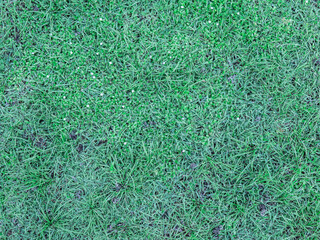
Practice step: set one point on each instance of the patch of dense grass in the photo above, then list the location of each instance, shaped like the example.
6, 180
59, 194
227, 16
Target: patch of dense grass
159, 119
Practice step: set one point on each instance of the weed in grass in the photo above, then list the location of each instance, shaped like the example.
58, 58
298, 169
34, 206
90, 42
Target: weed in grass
159, 120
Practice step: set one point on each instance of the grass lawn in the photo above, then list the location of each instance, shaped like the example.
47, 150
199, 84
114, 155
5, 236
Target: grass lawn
159, 119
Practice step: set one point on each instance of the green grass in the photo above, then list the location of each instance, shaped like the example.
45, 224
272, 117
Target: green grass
146, 120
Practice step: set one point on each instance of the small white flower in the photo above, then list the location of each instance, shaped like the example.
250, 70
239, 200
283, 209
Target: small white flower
64, 119
182, 6
100, 19
306, 1
88, 106
122, 106
71, 43
150, 57
110, 63
64, 97
97, 53
183, 150
209, 21
50, 34
238, 13
238, 118
211, 7
125, 143
217, 24
47, 76
101, 94
32, 53
71, 52
77, 67
93, 77
164, 63
170, 57
132, 91
101, 43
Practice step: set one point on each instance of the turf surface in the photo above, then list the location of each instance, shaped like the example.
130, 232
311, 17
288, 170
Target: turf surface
159, 119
